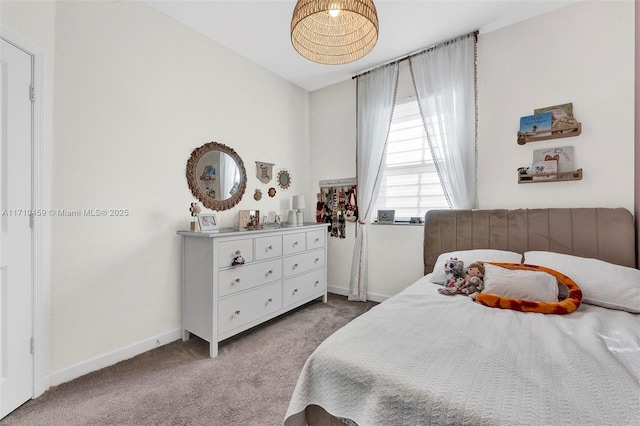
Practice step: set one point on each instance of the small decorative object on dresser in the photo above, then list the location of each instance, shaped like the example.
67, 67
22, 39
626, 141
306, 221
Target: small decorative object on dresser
195, 210
298, 204
248, 219
282, 269
208, 222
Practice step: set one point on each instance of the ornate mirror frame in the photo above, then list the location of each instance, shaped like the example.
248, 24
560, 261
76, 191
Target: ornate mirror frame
192, 178
284, 179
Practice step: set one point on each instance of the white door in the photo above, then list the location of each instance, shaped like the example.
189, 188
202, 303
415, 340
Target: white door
16, 301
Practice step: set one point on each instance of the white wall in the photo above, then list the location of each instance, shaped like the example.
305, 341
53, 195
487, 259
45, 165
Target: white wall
134, 93
581, 54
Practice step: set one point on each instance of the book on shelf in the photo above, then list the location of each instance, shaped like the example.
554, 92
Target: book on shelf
541, 167
562, 116
535, 125
563, 156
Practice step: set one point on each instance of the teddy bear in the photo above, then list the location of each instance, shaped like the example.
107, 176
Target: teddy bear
473, 278
460, 280
454, 269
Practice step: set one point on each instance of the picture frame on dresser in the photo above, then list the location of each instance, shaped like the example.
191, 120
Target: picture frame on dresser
208, 222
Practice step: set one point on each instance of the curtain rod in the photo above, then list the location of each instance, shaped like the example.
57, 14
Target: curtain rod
411, 55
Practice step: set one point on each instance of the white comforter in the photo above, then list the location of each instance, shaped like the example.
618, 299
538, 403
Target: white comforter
423, 358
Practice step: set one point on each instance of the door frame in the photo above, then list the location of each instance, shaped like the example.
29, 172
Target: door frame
37, 203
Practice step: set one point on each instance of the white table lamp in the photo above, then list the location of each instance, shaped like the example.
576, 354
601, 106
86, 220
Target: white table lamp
298, 204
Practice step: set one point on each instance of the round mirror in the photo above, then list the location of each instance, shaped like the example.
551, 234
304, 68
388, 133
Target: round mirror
284, 179
216, 176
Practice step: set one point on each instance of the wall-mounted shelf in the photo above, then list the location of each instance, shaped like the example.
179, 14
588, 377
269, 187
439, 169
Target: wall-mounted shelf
559, 177
542, 135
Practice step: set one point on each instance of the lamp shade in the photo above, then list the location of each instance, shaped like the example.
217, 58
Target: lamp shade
334, 32
298, 202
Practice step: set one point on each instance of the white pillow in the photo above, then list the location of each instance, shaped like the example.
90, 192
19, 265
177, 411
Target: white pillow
520, 284
470, 256
602, 283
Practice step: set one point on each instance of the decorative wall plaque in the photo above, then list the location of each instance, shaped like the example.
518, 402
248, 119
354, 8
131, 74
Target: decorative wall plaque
264, 171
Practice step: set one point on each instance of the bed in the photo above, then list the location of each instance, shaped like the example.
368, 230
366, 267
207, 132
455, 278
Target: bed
422, 358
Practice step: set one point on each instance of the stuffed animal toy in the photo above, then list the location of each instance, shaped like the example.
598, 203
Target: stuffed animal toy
474, 277
468, 282
566, 306
454, 269
456, 287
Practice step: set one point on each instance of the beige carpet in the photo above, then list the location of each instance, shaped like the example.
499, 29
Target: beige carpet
249, 383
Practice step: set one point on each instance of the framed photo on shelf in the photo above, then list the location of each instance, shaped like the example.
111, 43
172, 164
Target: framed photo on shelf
386, 216
208, 222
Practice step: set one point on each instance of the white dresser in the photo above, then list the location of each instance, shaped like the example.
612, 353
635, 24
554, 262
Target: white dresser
284, 268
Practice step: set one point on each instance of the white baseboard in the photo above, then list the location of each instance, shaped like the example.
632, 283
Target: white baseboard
375, 297
111, 358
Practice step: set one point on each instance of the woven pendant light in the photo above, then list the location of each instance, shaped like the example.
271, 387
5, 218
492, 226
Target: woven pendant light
334, 32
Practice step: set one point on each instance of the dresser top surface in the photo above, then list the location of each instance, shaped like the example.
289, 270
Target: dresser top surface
230, 232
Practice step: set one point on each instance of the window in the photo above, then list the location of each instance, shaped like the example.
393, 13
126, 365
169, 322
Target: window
410, 183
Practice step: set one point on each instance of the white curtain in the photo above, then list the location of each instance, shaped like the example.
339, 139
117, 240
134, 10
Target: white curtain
376, 94
444, 80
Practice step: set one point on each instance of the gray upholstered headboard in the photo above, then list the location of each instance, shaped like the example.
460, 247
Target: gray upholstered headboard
601, 233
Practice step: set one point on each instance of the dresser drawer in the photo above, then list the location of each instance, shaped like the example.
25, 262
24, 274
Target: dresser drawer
240, 309
227, 251
316, 239
244, 277
293, 243
299, 263
268, 247
302, 287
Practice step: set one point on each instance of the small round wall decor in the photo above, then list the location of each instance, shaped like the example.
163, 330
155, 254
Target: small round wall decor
272, 192
257, 195
284, 179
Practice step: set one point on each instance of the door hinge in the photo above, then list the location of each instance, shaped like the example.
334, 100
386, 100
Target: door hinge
32, 346
32, 93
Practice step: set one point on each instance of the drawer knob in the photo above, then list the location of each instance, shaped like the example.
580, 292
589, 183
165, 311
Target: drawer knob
236, 313
295, 243
317, 260
316, 283
270, 272
270, 248
269, 300
295, 290
317, 240
295, 265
